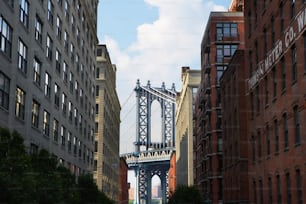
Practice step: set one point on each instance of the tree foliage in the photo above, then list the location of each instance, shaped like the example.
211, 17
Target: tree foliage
186, 195
37, 178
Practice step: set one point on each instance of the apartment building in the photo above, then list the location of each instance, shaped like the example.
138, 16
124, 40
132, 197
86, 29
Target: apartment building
47, 76
224, 34
276, 95
184, 126
107, 126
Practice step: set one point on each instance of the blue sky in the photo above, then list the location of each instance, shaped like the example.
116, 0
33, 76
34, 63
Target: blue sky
151, 40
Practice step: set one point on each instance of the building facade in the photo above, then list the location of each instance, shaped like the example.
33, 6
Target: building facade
47, 55
123, 184
234, 129
224, 34
107, 126
276, 56
184, 126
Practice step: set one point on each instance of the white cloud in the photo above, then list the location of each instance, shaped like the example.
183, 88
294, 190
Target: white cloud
162, 47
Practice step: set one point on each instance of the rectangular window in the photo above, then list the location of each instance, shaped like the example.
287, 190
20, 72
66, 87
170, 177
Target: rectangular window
70, 111
35, 113
46, 123
47, 89
259, 145
299, 187
270, 190
55, 130
65, 74
266, 91
38, 30
50, 11
272, 31
253, 148
66, 41
252, 105
71, 82
292, 8
5, 37
67, 9
283, 67
63, 135
225, 51
72, 49
58, 58
279, 191
282, 19
69, 137
276, 136
4, 91
59, 27
288, 184
254, 192
257, 100
268, 140
226, 30
36, 71
20, 103
285, 131
297, 135
294, 64
64, 103
57, 90
49, 47
22, 56
274, 82
24, 12
261, 192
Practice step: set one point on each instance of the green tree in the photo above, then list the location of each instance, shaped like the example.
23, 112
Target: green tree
186, 195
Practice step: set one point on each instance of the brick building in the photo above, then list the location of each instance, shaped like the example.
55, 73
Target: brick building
276, 72
223, 35
234, 129
123, 183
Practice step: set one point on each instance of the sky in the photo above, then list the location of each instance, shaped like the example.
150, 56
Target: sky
151, 40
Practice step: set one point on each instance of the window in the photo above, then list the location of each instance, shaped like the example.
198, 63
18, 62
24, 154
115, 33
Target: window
97, 90
70, 111
253, 148
288, 184
72, 49
75, 116
97, 108
6, 37
71, 81
254, 192
259, 143
67, 9
276, 136
270, 190
35, 113
36, 71
49, 47
292, 5
282, 19
257, 100
299, 186
63, 135
252, 105
65, 70
69, 137
283, 74
279, 192
64, 103
297, 135
73, 24
225, 51
274, 82
66, 41
4, 91
50, 11
268, 140
285, 131
266, 91
294, 63
272, 30
261, 191
97, 72
24, 12
38, 29
20, 103
265, 41
47, 89
56, 95
46, 123
58, 58
55, 130
59, 27
22, 56
226, 30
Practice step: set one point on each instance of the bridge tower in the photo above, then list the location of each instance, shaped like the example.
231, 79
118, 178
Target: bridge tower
150, 159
